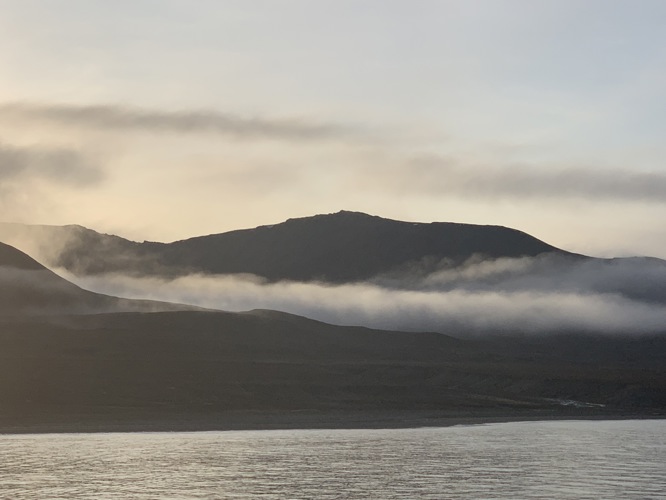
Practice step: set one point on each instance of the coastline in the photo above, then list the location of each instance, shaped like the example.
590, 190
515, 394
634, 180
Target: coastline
128, 421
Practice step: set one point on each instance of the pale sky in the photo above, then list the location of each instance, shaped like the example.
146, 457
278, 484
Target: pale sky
168, 119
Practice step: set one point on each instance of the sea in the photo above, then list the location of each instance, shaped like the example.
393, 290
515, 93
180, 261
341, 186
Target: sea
623, 459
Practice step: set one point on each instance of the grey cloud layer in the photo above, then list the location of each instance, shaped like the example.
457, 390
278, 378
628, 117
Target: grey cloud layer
129, 118
423, 175
64, 166
641, 279
535, 296
440, 176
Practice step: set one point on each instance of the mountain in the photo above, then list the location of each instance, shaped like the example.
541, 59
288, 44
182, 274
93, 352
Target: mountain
78, 249
27, 287
340, 247
64, 368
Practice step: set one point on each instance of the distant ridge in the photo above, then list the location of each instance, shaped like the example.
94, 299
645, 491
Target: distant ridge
339, 247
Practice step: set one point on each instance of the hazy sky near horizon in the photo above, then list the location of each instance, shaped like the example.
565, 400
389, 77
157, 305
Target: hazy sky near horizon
167, 119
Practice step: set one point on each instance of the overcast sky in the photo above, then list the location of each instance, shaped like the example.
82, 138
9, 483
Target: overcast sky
174, 118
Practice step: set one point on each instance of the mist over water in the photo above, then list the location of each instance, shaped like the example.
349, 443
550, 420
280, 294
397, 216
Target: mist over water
537, 460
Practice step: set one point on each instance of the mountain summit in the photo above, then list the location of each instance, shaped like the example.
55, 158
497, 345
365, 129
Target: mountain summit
345, 247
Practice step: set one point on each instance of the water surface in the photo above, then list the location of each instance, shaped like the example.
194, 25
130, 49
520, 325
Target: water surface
545, 460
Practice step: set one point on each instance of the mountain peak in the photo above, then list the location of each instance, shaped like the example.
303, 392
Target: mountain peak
341, 215
341, 247
352, 213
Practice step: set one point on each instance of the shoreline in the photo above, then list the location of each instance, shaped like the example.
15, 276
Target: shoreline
291, 420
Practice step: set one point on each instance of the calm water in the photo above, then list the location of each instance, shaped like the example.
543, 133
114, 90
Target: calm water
550, 460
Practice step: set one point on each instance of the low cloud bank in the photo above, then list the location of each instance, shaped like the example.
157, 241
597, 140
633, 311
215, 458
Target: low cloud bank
642, 279
32, 177
438, 176
536, 296
117, 117
58, 165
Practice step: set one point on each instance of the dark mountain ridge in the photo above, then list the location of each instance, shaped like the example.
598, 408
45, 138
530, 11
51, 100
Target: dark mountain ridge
346, 246
336, 248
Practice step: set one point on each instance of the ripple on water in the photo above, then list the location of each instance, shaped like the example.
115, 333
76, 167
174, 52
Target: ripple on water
539, 460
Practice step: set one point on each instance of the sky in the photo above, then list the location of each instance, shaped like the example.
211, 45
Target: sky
161, 120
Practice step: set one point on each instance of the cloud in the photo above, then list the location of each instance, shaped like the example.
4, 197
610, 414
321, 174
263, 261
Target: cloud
116, 117
532, 296
437, 176
640, 279
32, 178
62, 166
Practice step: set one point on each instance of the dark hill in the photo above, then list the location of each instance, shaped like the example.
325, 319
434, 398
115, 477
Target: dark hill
81, 250
165, 370
142, 370
346, 246
340, 247
10, 257
27, 287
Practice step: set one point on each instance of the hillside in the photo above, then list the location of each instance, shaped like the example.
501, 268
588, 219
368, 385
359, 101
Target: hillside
28, 288
60, 369
192, 363
340, 247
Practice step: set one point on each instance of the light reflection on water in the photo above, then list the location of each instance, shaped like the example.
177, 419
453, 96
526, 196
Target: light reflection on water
549, 460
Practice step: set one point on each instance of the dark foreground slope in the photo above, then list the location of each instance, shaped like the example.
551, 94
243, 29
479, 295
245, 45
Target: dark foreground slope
202, 370
340, 247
